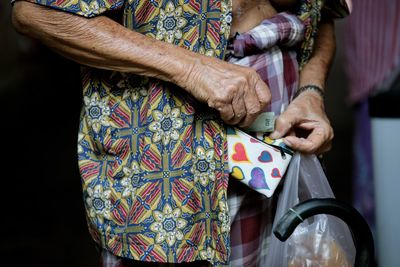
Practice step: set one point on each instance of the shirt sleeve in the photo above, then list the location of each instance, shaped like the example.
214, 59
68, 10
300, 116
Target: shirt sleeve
86, 8
337, 8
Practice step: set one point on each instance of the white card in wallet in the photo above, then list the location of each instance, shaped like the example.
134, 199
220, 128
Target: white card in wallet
260, 165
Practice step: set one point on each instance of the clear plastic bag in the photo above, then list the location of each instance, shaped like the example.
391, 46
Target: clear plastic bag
322, 240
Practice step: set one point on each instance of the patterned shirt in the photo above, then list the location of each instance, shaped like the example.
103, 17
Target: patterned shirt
153, 161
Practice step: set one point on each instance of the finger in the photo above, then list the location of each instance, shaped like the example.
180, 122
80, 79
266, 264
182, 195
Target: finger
283, 124
300, 144
291, 132
308, 145
239, 109
325, 148
322, 129
253, 108
263, 93
328, 144
226, 112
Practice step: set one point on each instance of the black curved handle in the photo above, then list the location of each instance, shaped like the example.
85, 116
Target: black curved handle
363, 240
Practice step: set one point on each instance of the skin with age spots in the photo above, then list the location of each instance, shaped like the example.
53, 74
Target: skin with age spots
230, 89
307, 112
237, 93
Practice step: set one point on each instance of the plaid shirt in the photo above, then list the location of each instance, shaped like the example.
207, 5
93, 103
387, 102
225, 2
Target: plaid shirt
266, 48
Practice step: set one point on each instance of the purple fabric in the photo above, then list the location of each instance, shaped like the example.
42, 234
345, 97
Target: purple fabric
283, 29
363, 188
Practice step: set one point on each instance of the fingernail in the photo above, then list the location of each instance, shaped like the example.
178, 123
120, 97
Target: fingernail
274, 135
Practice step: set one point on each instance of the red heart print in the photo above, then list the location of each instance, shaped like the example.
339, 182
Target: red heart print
240, 153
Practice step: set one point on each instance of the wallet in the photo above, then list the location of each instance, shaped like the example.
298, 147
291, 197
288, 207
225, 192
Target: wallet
260, 164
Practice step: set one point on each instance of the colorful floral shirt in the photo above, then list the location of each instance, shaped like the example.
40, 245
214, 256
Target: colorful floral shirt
153, 161
310, 12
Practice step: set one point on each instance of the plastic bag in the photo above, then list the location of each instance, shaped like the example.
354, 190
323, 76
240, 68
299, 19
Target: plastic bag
322, 240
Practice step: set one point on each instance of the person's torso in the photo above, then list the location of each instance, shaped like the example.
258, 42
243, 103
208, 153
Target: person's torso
247, 14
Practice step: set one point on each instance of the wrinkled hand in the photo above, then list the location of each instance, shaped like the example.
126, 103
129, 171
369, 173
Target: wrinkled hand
305, 125
236, 92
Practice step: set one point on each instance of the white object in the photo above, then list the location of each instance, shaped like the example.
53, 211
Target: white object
386, 169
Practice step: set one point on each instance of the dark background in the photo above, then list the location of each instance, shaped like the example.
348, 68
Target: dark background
41, 207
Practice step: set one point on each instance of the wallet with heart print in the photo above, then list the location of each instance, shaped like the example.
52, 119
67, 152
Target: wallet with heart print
258, 164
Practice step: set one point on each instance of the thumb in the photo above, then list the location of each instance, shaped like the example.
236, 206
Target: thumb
263, 93
283, 125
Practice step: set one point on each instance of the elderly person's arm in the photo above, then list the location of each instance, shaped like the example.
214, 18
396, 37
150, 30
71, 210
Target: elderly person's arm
307, 111
236, 92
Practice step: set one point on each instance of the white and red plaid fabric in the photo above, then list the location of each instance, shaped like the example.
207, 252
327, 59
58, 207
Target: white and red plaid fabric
267, 49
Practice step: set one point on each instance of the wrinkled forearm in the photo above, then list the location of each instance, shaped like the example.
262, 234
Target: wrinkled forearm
237, 93
102, 43
317, 69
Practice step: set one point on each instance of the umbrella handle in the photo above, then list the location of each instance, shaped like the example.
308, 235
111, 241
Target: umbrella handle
363, 240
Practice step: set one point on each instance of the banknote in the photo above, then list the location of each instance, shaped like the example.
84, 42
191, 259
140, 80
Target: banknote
265, 122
